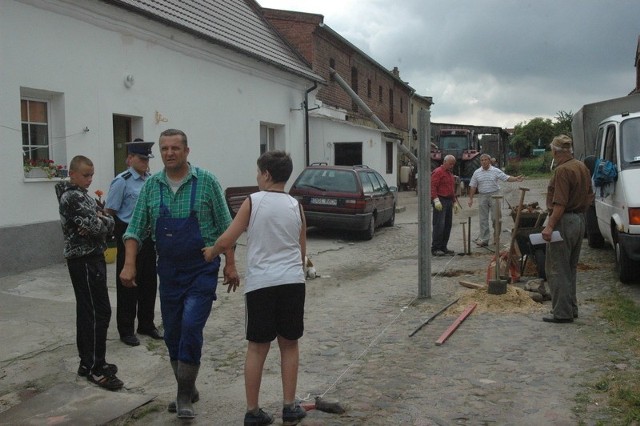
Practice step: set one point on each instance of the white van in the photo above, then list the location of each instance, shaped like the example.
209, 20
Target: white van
617, 203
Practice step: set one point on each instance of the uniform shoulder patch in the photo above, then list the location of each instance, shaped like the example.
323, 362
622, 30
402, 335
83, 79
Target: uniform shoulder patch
126, 176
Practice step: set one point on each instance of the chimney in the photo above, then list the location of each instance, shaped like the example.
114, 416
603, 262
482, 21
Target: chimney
396, 72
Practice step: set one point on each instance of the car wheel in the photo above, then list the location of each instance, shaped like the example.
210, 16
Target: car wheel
623, 264
392, 219
367, 234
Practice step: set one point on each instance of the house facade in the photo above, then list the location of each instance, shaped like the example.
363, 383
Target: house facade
86, 76
383, 92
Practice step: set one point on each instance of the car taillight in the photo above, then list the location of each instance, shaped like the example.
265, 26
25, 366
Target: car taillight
355, 204
634, 216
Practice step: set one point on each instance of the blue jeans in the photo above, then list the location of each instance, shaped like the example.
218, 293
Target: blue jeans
187, 292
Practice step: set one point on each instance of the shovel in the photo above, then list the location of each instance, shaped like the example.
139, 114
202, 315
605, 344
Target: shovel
497, 285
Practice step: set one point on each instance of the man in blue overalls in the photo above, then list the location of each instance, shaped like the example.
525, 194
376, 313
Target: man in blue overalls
186, 210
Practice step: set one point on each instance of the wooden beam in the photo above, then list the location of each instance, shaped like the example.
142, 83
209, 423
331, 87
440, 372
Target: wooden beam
455, 324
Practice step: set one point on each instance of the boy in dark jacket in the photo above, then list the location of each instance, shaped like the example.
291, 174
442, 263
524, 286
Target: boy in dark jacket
85, 227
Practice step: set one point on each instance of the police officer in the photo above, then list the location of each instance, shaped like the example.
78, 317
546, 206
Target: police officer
121, 200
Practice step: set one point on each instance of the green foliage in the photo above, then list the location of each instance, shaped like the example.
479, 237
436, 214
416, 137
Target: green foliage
562, 125
536, 133
539, 132
623, 387
531, 167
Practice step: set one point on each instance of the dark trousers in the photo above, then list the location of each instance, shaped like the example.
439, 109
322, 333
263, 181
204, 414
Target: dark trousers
93, 309
442, 225
137, 301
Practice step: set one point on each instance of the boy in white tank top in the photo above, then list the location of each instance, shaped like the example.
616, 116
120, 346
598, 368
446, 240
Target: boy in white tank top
275, 282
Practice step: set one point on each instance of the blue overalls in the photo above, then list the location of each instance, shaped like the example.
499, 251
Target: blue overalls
187, 282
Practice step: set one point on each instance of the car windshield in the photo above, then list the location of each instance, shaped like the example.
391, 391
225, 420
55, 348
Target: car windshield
328, 180
630, 143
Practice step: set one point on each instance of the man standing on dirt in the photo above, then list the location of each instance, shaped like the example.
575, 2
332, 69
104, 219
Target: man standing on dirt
568, 197
443, 197
485, 182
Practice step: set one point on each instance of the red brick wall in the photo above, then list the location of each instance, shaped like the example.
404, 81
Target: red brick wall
319, 46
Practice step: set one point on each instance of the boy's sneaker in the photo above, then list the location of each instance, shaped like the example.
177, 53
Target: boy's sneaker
292, 416
262, 418
105, 380
110, 369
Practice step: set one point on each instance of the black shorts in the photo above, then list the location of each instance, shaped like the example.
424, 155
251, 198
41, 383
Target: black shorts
275, 311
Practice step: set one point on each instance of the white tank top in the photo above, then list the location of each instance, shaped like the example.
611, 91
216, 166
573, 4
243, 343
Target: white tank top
273, 241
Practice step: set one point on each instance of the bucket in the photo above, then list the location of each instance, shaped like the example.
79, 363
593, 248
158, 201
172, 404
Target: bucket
110, 254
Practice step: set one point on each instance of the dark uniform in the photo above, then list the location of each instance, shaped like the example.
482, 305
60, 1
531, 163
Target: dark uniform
139, 300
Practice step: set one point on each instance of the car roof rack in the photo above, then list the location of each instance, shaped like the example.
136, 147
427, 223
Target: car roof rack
361, 166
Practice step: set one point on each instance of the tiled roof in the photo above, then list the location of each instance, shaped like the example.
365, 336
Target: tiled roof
235, 24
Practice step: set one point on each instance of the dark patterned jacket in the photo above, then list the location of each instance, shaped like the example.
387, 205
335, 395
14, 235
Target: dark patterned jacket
78, 210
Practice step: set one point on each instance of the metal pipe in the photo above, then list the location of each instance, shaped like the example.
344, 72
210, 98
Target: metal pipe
370, 113
306, 121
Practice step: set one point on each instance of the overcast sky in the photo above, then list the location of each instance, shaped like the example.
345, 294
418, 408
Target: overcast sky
494, 62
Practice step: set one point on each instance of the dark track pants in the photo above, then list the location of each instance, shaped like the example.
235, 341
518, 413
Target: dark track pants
93, 309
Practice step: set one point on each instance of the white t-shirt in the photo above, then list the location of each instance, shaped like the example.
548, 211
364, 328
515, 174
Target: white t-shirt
487, 180
273, 241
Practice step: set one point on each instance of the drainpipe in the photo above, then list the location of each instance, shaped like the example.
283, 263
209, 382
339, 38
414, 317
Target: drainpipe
306, 121
370, 113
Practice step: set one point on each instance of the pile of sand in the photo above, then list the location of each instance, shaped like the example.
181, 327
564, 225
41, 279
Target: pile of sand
514, 300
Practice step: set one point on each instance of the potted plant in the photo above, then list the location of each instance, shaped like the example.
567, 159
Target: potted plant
43, 168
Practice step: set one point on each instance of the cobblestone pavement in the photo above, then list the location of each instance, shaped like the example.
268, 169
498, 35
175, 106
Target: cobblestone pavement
497, 368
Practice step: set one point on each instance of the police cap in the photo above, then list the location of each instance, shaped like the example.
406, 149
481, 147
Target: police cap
140, 147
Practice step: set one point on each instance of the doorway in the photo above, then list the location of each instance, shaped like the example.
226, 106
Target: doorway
348, 153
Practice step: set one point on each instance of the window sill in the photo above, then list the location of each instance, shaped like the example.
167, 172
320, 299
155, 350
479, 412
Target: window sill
54, 179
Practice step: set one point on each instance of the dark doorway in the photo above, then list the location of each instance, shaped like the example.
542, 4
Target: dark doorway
348, 153
121, 135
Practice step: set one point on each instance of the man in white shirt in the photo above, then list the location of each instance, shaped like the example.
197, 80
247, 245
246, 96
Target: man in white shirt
484, 182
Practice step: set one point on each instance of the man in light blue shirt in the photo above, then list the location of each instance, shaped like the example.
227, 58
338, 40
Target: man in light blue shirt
121, 200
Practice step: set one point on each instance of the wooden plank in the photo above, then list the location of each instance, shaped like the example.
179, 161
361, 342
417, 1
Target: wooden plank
449, 331
469, 284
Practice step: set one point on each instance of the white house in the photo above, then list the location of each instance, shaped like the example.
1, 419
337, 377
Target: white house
85, 76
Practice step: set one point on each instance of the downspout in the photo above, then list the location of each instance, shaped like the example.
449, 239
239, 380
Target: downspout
306, 121
370, 113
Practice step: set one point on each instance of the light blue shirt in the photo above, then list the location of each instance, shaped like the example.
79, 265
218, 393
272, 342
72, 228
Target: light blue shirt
123, 193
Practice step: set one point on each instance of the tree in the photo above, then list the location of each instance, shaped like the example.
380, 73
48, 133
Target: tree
563, 123
537, 133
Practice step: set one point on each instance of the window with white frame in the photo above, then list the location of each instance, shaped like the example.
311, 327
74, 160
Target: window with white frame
43, 132
35, 129
267, 138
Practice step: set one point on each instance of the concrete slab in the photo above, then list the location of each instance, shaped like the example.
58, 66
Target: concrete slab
73, 404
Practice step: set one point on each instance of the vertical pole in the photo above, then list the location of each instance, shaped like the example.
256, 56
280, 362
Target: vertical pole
424, 205
497, 199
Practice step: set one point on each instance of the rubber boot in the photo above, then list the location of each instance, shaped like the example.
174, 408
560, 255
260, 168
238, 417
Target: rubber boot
194, 398
187, 374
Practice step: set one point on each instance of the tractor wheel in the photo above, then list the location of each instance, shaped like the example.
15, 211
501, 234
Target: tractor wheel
471, 166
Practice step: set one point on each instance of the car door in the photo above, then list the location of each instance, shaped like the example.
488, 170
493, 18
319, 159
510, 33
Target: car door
383, 197
606, 197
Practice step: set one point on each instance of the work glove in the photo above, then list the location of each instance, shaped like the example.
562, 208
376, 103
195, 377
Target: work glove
437, 204
456, 208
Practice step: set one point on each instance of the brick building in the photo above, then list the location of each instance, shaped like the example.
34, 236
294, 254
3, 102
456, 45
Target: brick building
382, 90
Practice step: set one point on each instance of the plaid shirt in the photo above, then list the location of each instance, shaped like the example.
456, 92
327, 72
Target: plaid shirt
211, 208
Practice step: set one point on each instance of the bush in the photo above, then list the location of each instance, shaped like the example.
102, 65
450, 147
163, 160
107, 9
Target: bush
530, 167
